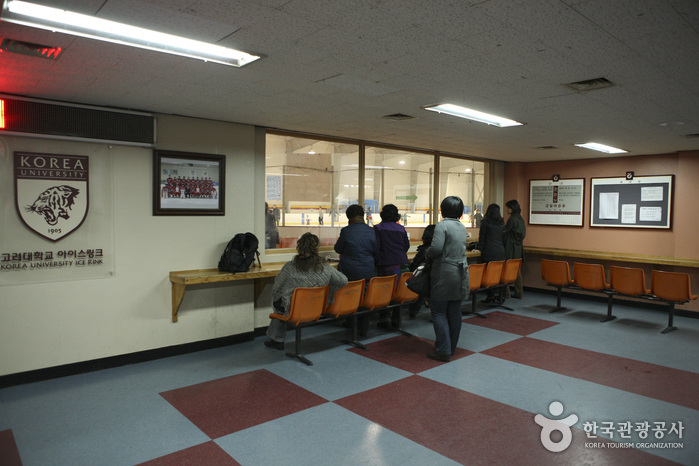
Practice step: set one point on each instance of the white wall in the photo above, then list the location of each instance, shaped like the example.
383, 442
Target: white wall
51, 324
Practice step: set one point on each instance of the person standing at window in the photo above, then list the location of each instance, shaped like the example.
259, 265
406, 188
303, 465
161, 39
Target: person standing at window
357, 248
449, 278
392, 244
490, 240
513, 234
419, 258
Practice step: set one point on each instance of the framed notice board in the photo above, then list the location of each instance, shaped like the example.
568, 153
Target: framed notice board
557, 202
632, 202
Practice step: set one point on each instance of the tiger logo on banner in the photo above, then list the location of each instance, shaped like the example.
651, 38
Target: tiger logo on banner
51, 192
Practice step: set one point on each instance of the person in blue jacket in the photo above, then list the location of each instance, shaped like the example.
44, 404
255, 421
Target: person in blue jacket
357, 248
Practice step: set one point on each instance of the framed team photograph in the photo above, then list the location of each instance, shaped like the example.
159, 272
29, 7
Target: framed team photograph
187, 183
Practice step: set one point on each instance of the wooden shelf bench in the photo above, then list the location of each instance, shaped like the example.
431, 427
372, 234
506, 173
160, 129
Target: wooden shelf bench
181, 279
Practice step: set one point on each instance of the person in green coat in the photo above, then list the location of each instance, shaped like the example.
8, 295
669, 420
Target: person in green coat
512, 236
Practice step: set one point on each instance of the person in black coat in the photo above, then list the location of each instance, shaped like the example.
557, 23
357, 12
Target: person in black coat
490, 239
417, 260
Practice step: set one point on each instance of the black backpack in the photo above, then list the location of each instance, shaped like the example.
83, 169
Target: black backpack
240, 253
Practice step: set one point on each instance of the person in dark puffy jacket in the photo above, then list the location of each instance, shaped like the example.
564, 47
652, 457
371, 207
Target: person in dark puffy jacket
357, 248
417, 260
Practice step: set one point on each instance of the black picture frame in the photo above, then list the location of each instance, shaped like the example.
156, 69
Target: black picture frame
632, 201
186, 183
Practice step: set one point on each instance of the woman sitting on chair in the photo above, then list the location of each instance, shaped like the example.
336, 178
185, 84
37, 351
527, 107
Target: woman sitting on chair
306, 269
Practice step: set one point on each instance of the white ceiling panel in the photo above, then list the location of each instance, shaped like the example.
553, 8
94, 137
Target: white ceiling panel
335, 66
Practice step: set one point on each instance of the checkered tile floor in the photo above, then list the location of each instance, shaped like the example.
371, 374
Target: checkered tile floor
250, 405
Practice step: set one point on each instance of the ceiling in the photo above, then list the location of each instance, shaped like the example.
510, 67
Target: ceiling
334, 67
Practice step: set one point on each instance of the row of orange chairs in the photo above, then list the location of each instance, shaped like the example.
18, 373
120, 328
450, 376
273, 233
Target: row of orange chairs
671, 288
492, 276
308, 305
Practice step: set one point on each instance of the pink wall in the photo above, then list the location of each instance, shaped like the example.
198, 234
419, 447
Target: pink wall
682, 241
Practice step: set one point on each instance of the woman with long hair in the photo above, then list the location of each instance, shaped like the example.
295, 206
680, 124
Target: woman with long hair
449, 278
513, 234
306, 269
490, 240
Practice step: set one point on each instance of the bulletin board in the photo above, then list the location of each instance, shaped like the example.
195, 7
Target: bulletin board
632, 202
558, 202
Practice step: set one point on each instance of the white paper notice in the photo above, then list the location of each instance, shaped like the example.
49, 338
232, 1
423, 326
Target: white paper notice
628, 213
652, 193
609, 206
650, 214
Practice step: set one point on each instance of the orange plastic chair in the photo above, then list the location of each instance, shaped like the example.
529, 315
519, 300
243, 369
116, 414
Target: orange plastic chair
346, 300
509, 275
475, 279
345, 303
307, 305
628, 281
379, 293
402, 295
591, 277
673, 288
556, 273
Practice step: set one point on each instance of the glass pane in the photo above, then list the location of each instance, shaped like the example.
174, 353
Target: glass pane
309, 184
404, 179
463, 178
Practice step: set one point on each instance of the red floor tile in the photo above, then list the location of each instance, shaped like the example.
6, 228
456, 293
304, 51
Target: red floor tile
474, 430
223, 406
407, 353
658, 382
9, 454
511, 323
208, 454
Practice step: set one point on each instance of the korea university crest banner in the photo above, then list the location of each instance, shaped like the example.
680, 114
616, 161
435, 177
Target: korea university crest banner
51, 192
60, 224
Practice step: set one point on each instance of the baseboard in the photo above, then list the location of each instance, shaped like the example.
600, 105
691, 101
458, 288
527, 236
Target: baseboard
121, 360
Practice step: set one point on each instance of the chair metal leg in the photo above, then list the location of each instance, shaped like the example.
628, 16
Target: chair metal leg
400, 323
297, 349
473, 308
558, 301
609, 310
670, 327
353, 341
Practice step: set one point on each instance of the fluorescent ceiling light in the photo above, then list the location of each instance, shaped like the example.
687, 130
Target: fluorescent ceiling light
463, 112
53, 19
601, 148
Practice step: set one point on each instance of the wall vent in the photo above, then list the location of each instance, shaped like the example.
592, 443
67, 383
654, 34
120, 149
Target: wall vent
692, 136
590, 85
38, 118
398, 117
545, 147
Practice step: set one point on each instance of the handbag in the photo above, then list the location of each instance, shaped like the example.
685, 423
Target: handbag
419, 281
